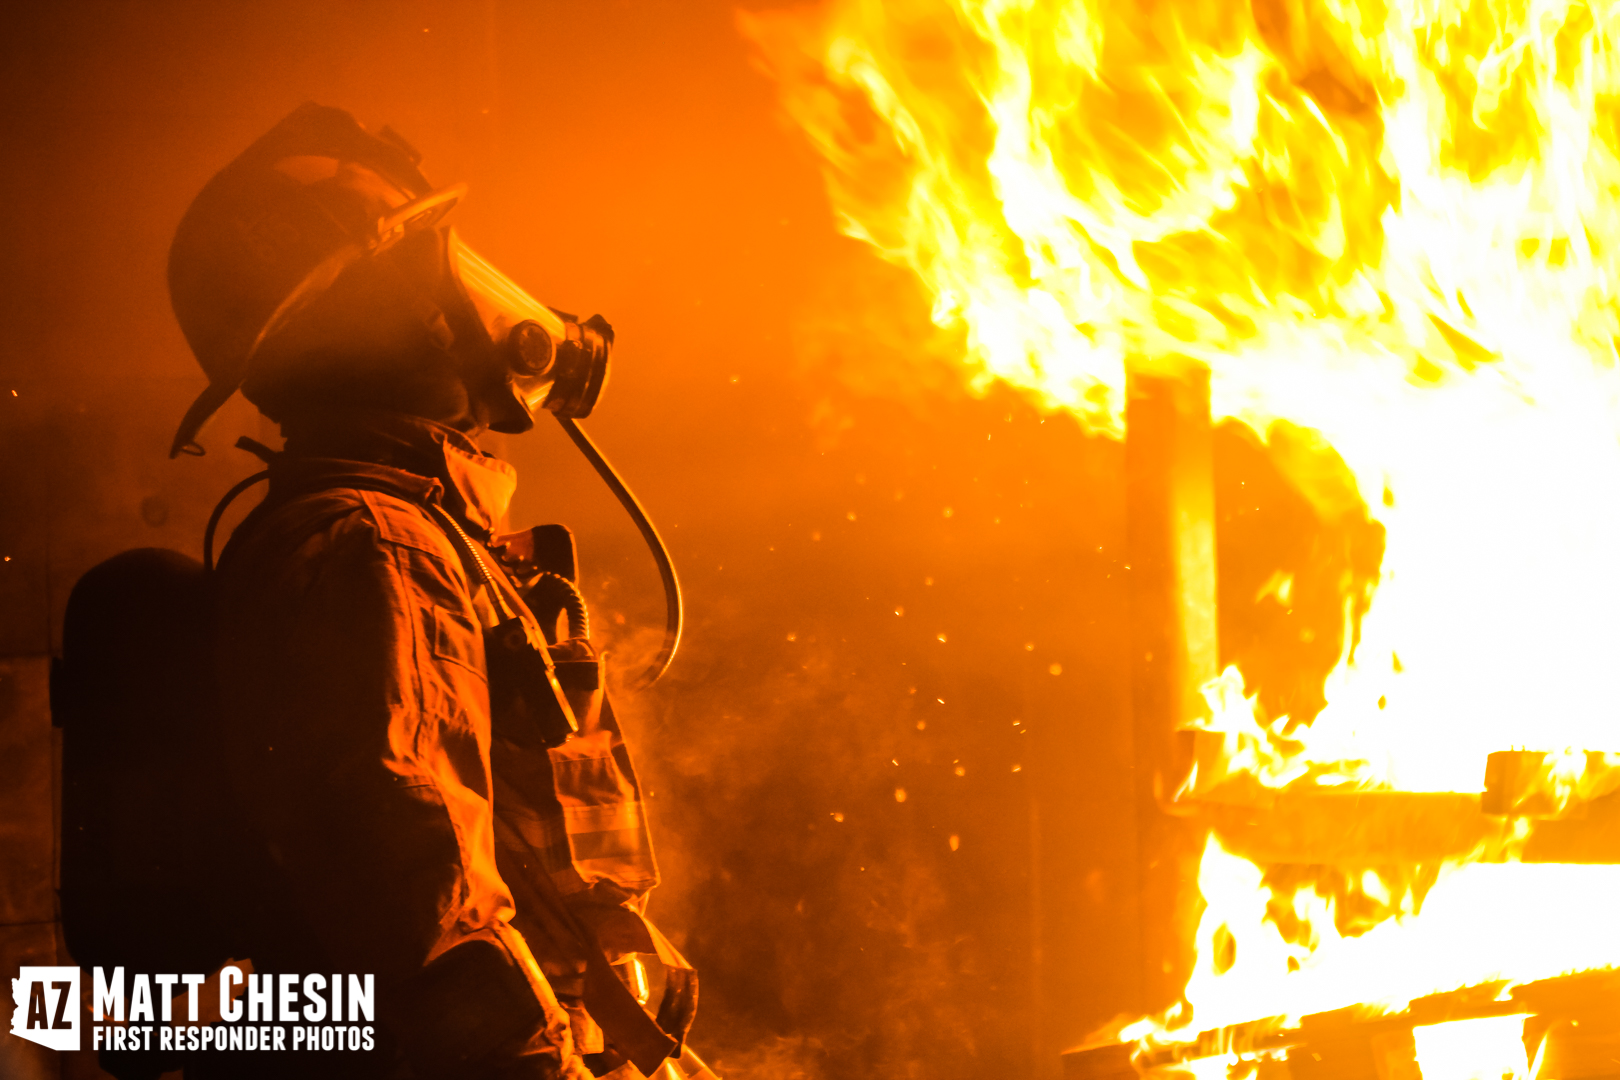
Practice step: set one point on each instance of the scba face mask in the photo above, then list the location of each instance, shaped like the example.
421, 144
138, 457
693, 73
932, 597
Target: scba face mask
549, 359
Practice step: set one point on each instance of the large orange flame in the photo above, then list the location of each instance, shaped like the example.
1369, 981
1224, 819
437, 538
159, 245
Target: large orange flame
1393, 221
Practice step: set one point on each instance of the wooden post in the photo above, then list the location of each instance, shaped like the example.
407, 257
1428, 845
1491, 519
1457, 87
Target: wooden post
1170, 537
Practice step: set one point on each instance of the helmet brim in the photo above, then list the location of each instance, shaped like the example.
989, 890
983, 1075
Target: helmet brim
415, 216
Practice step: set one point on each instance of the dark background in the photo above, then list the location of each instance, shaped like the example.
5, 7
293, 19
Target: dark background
893, 586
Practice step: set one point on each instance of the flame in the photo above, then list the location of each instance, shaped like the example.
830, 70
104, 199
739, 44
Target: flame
1396, 222
1479, 922
1490, 1048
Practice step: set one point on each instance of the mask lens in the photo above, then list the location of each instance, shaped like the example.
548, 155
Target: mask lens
501, 302
555, 363
530, 350
519, 326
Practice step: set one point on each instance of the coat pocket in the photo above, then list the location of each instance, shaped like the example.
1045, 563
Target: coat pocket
602, 812
455, 637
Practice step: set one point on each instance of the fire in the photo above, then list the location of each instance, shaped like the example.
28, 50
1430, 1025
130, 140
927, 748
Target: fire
1491, 1048
1396, 222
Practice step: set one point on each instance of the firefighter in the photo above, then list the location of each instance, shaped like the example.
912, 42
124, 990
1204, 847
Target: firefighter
405, 792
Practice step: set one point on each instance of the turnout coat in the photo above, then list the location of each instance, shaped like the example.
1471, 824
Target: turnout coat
477, 875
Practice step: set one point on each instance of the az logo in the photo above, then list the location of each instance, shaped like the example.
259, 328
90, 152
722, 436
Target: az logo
47, 1012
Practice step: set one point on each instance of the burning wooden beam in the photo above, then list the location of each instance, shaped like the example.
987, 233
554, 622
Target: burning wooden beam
1171, 546
1571, 1032
1328, 826
1331, 826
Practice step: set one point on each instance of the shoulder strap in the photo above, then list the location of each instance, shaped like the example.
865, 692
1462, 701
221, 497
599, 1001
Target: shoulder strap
519, 631
464, 545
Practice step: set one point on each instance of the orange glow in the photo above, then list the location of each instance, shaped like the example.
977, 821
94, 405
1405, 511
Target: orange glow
1396, 223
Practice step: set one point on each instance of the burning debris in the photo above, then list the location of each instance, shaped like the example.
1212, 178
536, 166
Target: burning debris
1388, 235
1565, 1027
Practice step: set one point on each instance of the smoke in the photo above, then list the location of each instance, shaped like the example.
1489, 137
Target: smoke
886, 773
889, 772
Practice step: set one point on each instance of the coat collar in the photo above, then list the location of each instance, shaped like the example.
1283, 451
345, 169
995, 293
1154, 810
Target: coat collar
423, 460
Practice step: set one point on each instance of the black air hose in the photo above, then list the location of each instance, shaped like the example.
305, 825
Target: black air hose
655, 543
